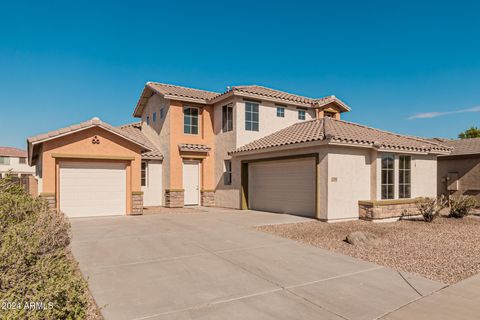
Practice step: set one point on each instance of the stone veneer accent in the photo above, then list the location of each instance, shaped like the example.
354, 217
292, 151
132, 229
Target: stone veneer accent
208, 198
51, 200
387, 209
174, 198
137, 203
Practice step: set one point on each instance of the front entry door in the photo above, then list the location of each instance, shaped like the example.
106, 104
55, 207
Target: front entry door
191, 182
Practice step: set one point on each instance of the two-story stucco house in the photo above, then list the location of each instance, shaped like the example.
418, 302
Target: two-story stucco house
14, 161
248, 147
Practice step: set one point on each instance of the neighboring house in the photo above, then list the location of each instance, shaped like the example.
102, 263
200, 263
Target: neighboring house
14, 161
459, 172
249, 147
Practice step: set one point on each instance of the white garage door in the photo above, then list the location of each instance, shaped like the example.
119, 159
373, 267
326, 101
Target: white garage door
286, 186
92, 189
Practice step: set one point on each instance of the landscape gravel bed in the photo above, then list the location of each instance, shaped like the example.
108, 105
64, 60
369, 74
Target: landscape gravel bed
446, 250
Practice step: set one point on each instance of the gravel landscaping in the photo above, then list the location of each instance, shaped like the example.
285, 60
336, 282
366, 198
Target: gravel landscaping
446, 250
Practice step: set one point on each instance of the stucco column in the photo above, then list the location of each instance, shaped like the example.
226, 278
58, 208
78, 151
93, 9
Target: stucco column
373, 174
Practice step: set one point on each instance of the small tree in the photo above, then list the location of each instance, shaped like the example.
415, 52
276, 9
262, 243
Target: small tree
473, 132
430, 208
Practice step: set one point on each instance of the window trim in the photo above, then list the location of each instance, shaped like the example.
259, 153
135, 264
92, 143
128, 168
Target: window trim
227, 175
251, 122
144, 174
404, 171
198, 120
304, 113
225, 120
388, 184
282, 113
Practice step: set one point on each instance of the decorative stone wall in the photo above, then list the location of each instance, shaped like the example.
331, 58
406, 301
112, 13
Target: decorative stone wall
137, 203
51, 200
208, 198
174, 198
387, 209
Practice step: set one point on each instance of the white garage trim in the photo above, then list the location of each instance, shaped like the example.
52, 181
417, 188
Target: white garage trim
92, 188
284, 186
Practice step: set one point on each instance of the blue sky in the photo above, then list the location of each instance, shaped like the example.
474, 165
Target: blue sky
65, 62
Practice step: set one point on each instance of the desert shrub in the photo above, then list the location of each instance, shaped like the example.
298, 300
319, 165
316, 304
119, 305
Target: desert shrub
430, 208
461, 206
35, 262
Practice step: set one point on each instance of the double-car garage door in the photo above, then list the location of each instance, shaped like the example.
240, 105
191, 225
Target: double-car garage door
92, 188
286, 186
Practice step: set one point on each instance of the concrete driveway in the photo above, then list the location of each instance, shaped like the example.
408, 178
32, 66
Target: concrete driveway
214, 265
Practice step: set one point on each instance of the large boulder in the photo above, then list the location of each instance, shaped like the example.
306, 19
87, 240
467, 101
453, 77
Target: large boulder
362, 238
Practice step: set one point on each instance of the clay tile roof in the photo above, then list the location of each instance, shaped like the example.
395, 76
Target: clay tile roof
134, 130
184, 92
193, 147
332, 130
461, 146
85, 124
272, 93
12, 152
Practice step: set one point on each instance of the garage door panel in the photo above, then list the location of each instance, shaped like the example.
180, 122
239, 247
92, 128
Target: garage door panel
283, 186
92, 188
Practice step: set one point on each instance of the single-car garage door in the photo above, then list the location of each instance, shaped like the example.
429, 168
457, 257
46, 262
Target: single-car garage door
286, 186
92, 188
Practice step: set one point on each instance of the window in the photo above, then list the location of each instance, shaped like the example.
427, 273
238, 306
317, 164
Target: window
404, 175
144, 174
22, 160
190, 120
328, 114
148, 120
301, 114
154, 117
388, 169
5, 160
281, 112
162, 113
251, 116
227, 118
227, 177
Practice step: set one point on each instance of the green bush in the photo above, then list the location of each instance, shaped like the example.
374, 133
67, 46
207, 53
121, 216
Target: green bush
430, 208
35, 262
461, 206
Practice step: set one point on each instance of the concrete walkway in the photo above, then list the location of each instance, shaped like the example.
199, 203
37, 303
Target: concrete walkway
213, 265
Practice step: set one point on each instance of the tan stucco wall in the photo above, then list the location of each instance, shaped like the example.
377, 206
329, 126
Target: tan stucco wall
80, 144
268, 120
348, 181
468, 169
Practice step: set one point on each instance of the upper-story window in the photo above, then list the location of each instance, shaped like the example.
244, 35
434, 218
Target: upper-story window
162, 113
5, 160
281, 112
190, 120
329, 114
227, 118
404, 177
22, 160
388, 174
301, 114
154, 117
251, 116
148, 120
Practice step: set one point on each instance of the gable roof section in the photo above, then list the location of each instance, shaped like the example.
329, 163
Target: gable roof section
334, 131
35, 141
135, 130
12, 152
174, 92
461, 147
